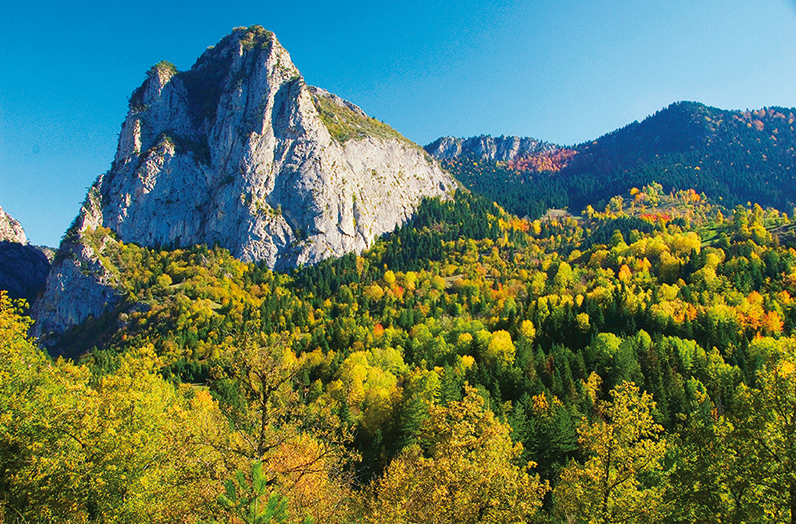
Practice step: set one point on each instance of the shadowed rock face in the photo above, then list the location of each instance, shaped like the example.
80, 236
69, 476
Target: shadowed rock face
23, 268
240, 152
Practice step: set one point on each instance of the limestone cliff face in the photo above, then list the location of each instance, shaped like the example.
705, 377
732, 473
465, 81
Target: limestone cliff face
240, 152
501, 148
78, 286
10, 229
237, 151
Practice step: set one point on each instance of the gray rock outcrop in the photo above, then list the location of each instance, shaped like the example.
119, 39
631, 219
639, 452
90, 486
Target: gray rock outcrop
11, 230
79, 286
239, 152
501, 148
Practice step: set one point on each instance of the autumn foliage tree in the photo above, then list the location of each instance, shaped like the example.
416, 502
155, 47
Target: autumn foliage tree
120, 448
463, 470
620, 480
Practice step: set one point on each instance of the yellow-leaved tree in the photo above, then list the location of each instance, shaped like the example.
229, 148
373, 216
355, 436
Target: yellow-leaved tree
619, 480
463, 469
301, 446
124, 447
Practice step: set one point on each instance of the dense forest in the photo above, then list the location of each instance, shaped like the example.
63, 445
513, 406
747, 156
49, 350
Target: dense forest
733, 157
637, 364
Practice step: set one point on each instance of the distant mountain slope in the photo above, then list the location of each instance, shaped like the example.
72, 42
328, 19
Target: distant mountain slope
501, 148
23, 270
731, 156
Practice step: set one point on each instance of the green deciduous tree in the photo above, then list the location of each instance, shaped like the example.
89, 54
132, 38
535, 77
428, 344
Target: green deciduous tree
741, 466
118, 448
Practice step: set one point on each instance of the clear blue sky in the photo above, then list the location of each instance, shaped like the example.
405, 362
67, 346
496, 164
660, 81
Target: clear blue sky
559, 70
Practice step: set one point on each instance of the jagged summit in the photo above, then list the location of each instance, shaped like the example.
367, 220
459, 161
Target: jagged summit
502, 148
240, 152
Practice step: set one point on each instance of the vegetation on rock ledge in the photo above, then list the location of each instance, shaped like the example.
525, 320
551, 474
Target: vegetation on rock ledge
346, 124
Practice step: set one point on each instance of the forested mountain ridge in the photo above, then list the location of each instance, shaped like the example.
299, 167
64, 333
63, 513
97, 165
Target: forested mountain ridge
731, 156
467, 341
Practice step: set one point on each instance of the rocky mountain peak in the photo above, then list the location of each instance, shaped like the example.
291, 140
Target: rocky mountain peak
239, 152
